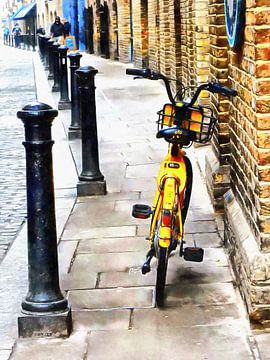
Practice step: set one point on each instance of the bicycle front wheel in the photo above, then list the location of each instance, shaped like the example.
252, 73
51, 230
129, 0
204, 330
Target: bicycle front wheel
161, 276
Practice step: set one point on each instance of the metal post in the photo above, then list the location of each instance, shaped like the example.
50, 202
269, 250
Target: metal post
75, 125
33, 42
64, 102
91, 180
44, 300
46, 52
50, 50
41, 47
28, 42
22, 44
56, 75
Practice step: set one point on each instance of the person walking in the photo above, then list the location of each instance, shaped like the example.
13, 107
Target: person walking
6, 33
57, 29
67, 27
16, 31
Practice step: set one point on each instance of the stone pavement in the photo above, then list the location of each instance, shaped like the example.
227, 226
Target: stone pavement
17, 86
102, 248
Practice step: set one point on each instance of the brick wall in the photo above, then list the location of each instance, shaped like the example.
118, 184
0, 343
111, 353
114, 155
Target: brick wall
201, 41
154, 34
124, 30
249, 71
140, 33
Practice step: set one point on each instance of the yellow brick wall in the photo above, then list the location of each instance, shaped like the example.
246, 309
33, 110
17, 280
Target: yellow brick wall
249, 73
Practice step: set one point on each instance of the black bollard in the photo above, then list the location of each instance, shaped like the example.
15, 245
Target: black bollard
33, 42
50, 50
64, 102
46, 52
91, 180
56, 75
75, 125
41, 47
44, 300
28, 41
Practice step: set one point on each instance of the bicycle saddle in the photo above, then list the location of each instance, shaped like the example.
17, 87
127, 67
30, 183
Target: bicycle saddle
172, 132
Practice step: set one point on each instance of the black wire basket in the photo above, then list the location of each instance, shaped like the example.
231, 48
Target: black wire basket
199, 121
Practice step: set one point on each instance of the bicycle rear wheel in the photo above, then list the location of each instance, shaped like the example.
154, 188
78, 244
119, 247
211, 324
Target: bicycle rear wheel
161, 276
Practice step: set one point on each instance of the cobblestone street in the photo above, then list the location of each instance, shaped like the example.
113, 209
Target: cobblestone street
17, 89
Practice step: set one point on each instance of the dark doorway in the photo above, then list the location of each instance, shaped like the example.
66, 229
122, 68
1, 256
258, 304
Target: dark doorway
89, 29
104, 31
115, 19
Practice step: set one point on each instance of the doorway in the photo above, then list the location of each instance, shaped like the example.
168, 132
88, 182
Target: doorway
104, 31
89, 29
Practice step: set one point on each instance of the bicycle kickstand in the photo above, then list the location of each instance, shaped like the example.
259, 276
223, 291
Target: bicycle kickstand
146, 266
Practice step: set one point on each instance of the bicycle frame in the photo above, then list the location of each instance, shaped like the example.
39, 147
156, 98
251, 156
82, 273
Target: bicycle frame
171, 182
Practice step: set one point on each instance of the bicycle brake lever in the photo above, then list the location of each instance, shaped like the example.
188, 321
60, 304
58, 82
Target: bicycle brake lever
137, 77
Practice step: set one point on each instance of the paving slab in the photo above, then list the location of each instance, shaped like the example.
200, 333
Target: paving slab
183, 275
207, 342
109, 231
72, 348
107, 262
200, 294
112, 245
97, 214
263, 342
5, 354
187, 316
142, 171
139, 184
87, 279
208, 240
136, 158
113, 196
111, 298
195, 227
118, 319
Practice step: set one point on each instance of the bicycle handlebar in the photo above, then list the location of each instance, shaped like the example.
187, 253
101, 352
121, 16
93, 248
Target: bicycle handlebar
145, 73
221, 89
152, 75
215, 87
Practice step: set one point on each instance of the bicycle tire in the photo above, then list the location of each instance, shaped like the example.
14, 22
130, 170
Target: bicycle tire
161, 276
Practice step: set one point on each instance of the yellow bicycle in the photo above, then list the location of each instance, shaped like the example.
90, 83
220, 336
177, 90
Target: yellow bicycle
180, 123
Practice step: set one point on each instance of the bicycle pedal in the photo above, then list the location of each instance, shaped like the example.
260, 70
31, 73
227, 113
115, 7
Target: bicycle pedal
193, 254
146, 268
141, 211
